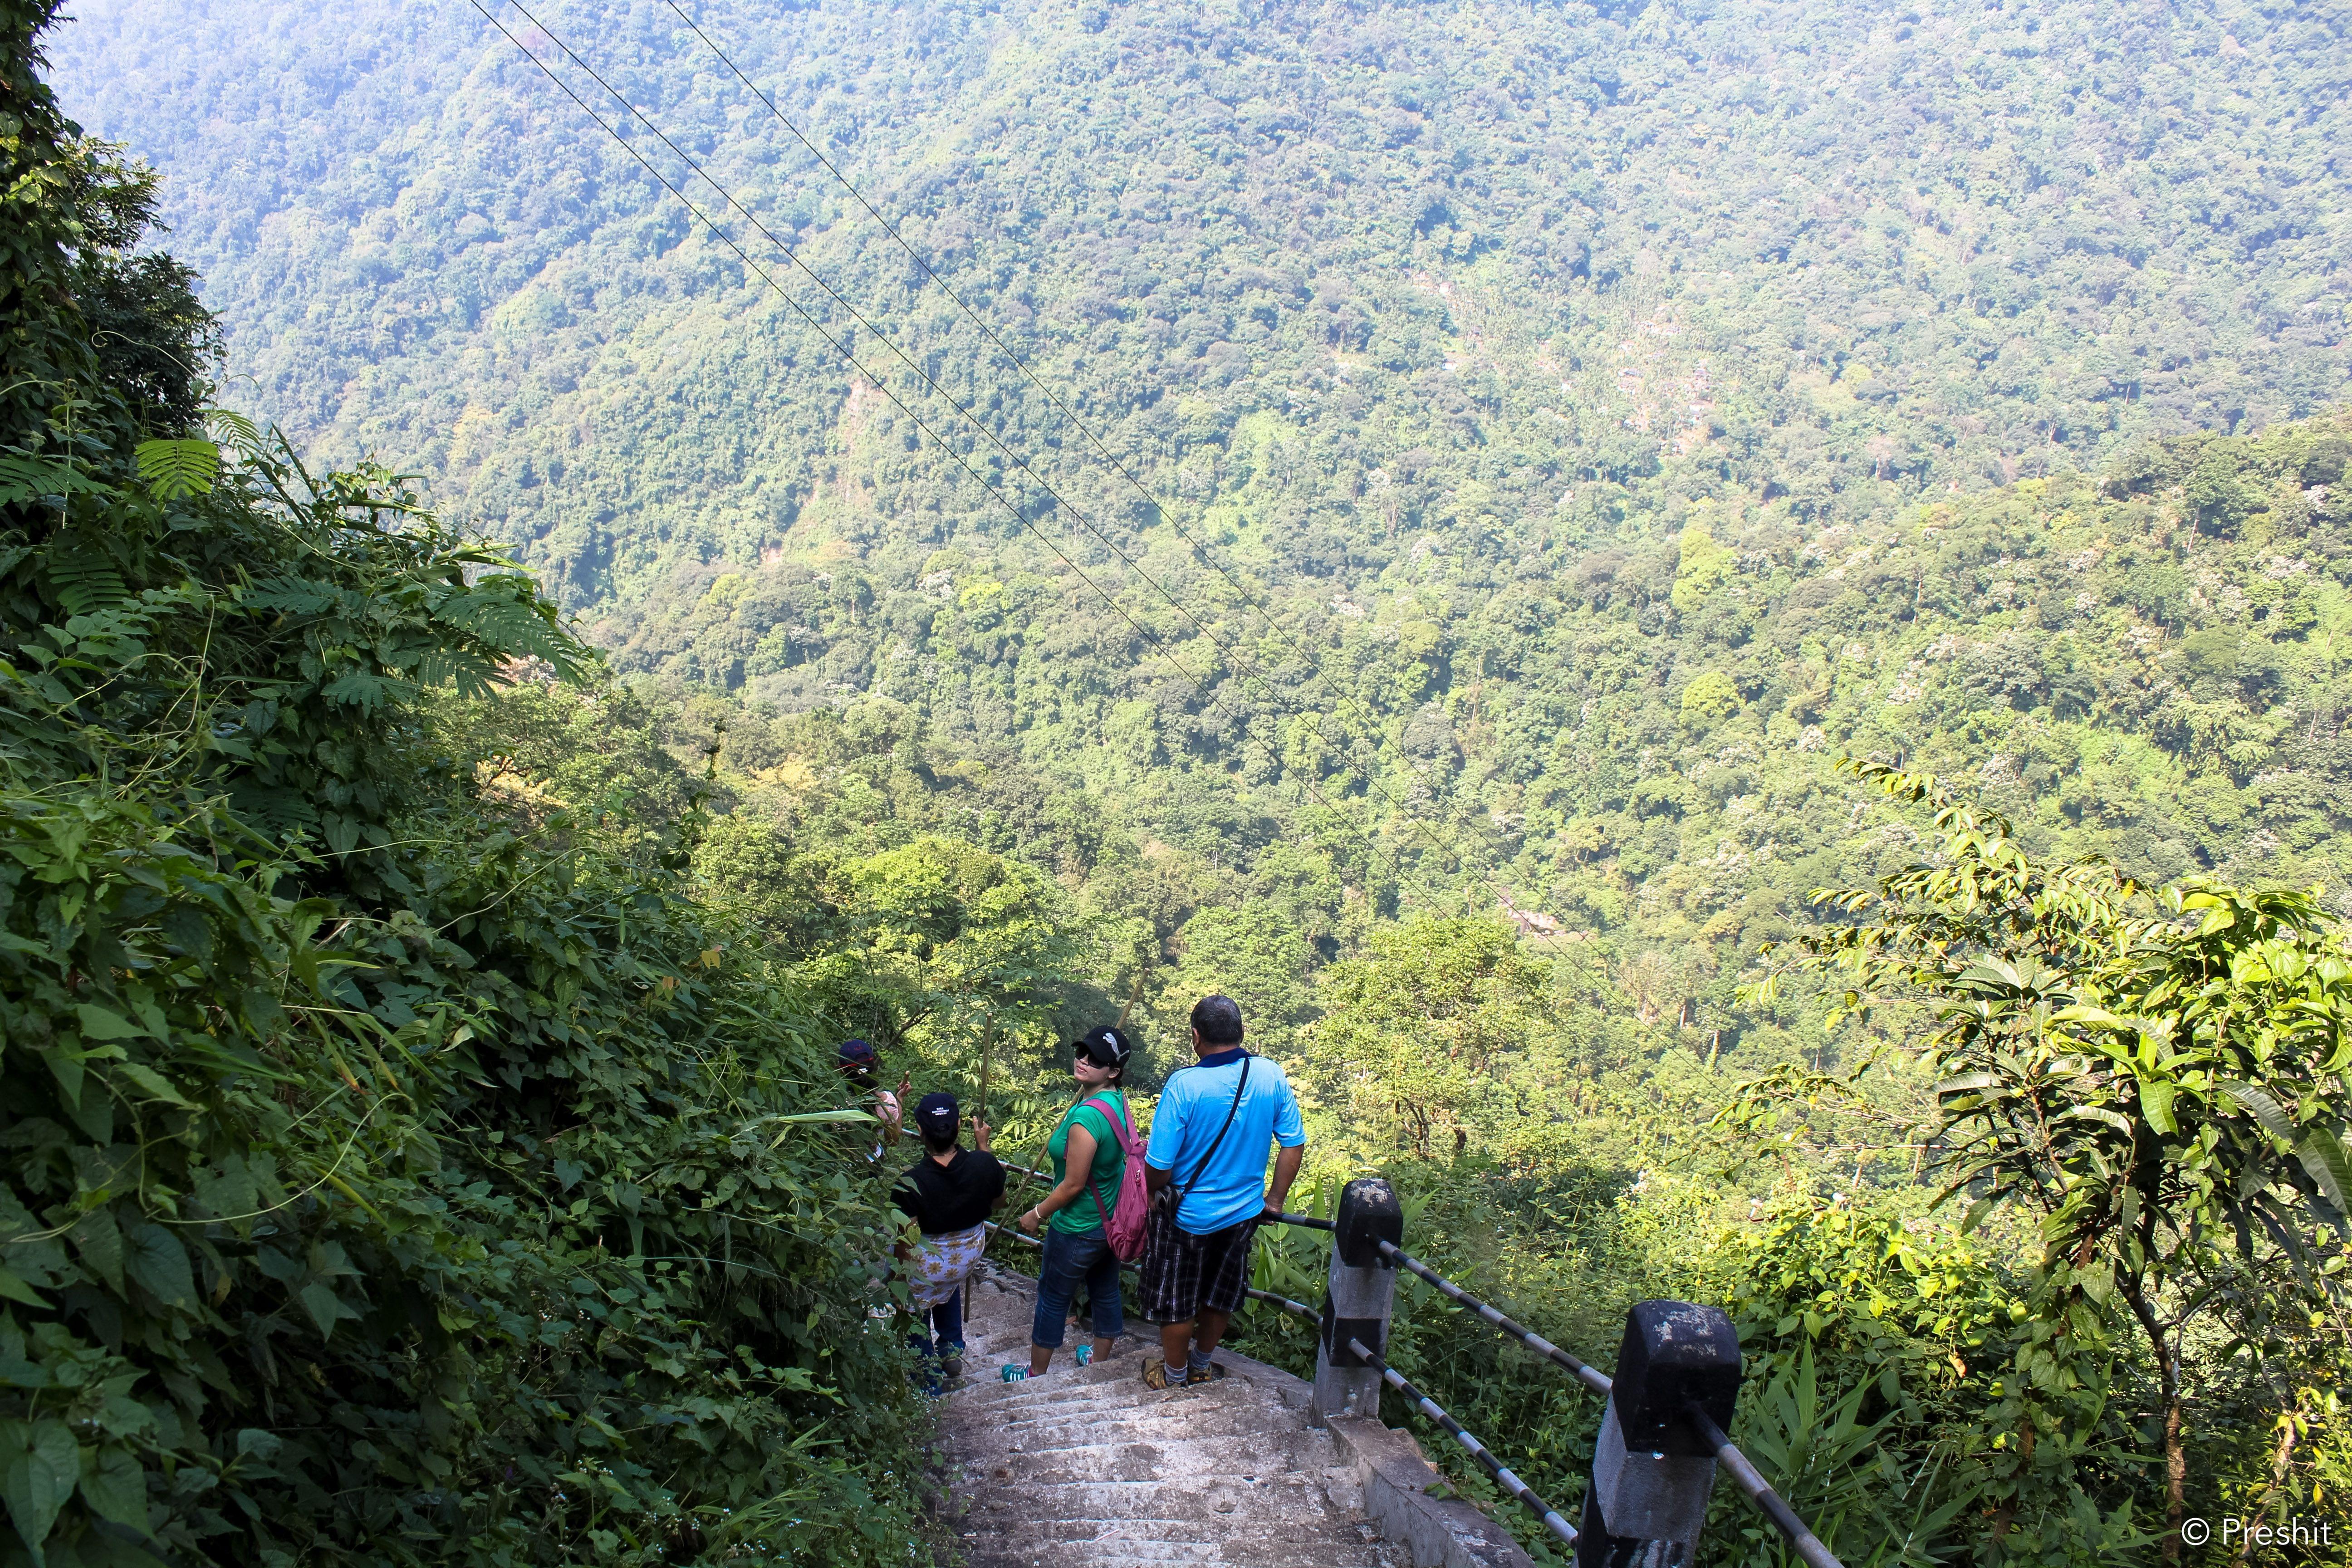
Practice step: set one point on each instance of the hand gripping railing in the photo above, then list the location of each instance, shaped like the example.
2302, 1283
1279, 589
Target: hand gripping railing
1654, 1461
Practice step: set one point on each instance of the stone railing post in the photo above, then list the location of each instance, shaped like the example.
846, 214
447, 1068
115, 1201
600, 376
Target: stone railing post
1363, 1285
1652, 1471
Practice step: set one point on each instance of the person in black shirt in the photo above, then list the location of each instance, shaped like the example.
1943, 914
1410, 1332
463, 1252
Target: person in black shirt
948, 1195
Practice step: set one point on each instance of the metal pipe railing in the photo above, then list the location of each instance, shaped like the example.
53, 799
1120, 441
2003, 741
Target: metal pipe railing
1286, 1303
1436, 1412
1591, 1377
1743, 1470
1759, 1491
1478, 1451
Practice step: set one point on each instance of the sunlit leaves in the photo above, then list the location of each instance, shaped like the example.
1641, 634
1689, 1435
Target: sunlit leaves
175, 470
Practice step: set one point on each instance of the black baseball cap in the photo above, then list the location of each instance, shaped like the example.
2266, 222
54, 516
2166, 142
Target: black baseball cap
937, 1115
1105, 1047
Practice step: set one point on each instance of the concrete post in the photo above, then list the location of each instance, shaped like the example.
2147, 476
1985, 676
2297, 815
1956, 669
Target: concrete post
1363, 1285
1652, 1472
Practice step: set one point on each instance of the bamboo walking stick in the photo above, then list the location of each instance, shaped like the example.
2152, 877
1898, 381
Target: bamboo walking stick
987, 1051
980, 1117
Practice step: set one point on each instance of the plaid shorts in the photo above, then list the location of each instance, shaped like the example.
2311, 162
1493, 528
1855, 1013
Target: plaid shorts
1183, 1273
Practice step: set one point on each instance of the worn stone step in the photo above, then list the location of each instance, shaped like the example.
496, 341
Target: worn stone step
1227, 1433
1184, 1541
1109, 1395
1086, 1466
1100, 1554
1293, 1505
1272, 1453
1114, 1402
1112, 1456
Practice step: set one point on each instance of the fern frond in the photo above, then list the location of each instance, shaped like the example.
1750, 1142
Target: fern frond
83, 576
364, 690
23, 479
472, 675
504, 614
237, 433
175, 470
276, 812
291, 595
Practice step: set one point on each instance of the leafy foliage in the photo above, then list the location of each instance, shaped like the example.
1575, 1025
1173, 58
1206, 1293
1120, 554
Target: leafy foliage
396, 1170
1331, 281
2165, 1087
1574, 518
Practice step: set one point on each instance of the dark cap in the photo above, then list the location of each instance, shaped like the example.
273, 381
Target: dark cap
937, 1115
858, 1056
1105, 1047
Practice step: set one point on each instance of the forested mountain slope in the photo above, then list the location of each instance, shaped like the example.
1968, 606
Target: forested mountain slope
1333, 280
1576, 428
1631, 741
1599, 402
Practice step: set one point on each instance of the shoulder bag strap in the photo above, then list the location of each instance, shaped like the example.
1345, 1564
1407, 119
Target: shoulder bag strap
1219, 1143
1102, 1108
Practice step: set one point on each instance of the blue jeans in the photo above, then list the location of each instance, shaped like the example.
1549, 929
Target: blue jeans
945, 1320
1071, 1260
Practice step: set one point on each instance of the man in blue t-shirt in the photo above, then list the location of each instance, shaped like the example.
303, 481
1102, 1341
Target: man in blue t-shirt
1205, 1168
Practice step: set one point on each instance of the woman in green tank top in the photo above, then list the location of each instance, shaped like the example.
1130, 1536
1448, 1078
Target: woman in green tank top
1088, 1164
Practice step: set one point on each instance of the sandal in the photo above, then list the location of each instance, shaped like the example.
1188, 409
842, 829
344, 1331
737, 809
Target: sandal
1155, 1373
1212, 1373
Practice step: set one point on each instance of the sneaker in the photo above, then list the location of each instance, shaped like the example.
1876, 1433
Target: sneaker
1085, 1354
1196, 1376
1013, 1374
951, 1367
1155, 1373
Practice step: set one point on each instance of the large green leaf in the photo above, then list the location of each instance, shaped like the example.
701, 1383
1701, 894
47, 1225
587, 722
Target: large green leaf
177, 469
2323, 1157
39, 1468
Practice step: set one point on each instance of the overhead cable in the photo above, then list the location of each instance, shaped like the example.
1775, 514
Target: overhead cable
1365, 719
849, 355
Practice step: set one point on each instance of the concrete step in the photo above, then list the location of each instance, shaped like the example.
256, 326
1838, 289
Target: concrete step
1087, 1466
1108, 1553
1229, 1431
1109, 1453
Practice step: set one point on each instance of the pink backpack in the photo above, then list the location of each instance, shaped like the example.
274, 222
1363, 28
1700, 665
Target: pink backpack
1123, 1220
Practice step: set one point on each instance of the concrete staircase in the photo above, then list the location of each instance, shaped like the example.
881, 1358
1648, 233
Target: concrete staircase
1086, 1467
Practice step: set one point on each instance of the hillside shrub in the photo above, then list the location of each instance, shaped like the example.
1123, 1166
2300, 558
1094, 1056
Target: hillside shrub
395, 1164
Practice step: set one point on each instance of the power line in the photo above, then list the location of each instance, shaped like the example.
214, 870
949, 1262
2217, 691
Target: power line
1364, 719
1243, 666
849, 356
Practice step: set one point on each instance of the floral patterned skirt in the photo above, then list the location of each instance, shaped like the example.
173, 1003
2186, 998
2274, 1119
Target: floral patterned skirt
938, 1269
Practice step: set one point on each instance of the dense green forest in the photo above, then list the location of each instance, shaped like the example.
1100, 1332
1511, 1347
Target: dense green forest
1563, 437
1549, 406
397, 1169
1335, 280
